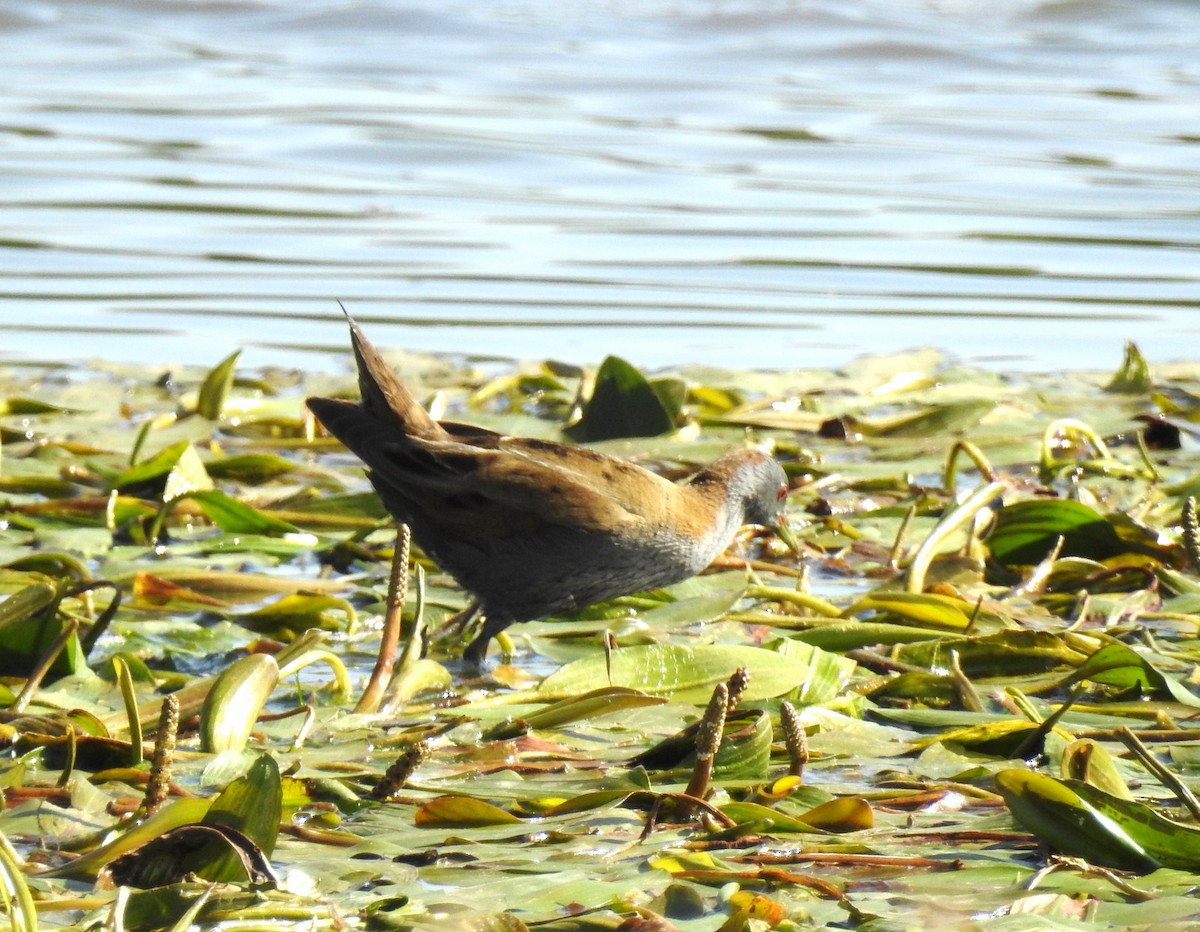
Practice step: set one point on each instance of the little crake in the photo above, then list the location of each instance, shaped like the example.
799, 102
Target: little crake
531, 527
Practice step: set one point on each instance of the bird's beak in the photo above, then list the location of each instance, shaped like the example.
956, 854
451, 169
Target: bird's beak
784, 532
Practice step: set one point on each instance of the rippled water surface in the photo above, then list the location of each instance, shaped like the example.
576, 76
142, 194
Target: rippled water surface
737, 183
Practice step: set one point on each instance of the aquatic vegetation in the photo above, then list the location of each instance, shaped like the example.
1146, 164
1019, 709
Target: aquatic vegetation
982, 663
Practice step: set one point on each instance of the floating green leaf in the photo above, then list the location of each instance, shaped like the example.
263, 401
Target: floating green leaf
927, 609
216, 387
30, 624
253, 805
27, 602
1133, 377
252, 468
1064, 820
770, 819
299, 611
187, 811
939, 420
168, 474
606, 700
1087, 761
685, 674
1170, 843
1025, 532
1121, 666
623, 404
236, 517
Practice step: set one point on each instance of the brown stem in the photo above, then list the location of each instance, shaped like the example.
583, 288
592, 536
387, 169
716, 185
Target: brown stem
708, 741
389, 639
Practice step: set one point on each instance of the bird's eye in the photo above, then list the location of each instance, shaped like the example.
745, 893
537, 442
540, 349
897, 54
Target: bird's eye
782, 494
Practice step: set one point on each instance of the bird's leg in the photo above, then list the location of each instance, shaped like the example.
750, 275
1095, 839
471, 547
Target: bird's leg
476, 651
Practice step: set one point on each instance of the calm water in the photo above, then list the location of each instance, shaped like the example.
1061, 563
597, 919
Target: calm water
738, 183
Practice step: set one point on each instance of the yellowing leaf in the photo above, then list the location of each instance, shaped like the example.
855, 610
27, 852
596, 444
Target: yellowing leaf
234, 701
847, 814
940, 611
462, 811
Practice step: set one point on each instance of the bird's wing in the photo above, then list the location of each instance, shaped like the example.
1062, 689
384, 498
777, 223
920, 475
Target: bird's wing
529, 480
495, 478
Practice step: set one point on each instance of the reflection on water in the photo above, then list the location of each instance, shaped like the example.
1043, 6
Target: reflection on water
737, 183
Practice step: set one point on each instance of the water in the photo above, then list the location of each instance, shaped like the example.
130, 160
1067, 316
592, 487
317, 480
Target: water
764, 184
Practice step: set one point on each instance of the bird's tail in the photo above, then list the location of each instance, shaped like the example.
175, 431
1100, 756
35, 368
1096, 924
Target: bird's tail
384, 398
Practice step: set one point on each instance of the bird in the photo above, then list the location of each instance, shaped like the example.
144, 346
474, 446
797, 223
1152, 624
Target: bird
532, 527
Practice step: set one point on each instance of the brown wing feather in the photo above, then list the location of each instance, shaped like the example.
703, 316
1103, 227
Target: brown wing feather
520, 487
499, 482
502, 479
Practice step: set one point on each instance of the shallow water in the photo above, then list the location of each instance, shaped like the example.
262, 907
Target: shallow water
737, 183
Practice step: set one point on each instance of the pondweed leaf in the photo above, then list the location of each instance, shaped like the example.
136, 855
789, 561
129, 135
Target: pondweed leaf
1087, 761
168, 474
187, 811
253, 805
928, 610
250, 468
234, 701
623, 404
1173, 844
236, 517
1133, 377
1025, 532
684, 674
1121, 666
1064, 820
215, 387
515, 798
462, 811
